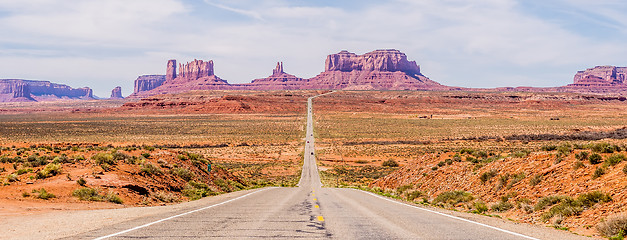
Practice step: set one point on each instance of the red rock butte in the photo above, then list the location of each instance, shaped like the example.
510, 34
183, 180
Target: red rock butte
377, 70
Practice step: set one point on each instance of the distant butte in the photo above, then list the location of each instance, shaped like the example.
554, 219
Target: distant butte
19, 90
377, 70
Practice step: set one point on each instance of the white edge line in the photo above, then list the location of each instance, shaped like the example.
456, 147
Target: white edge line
179, 215
454, 217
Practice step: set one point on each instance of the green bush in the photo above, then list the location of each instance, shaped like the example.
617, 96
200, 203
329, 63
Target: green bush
521, 154
595, 158
166, 197
194, 190
535, 180
401, 189
112, 197
81, 181
565, 149
600, 171
146, 155
43, 194
453, 198
104, 158
567, 207
149, 169
502, 206
486, 176
50, 170
479, 207
578, 164
582, 156
23, 170
605, 148
548, 148
390, 163
12, 177
120, 156
87, 194
548, 201
614, 159
184, 173
592, 198
414, 194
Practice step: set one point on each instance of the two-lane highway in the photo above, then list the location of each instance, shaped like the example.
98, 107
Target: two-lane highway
309, 211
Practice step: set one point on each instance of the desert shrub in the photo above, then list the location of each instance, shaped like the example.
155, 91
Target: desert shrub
184, 173
414, 194
43, 194
525, 205
600, 171
112, 197
565, 149
146, 155
195, 190
480, 154
362, 161
467, 150
87, 194
614, 227
222, 184
50, 170
390, 163
104, 158
434, 168
614, 159
625, 169
441, 164
61, 159
79, 157
472, 159
501, 206
521, 154
486, 176
457, 157
592, 198
448, 161
605, 148
503, 181
91, 194
166, 197
515, 179
595, 158
548, 201
149, 148
453, 197
582, 156
401, 189
479, 207
81, 181
535, 180
120, 156
578, 164
149, 169
548, 148
23, 170
12, 177
567, 207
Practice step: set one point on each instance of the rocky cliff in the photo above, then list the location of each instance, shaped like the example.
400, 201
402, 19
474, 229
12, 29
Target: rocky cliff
116, 93
146, 83
376, 70
279, 80
601, 76
30, 90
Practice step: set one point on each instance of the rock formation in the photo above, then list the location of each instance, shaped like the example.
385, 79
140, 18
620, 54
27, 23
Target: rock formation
30, 90
116, 93
377, 70
279, 80
600, 76
195, 75
148, 82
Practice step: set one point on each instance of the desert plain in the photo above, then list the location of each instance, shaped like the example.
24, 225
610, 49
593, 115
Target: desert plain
551, 159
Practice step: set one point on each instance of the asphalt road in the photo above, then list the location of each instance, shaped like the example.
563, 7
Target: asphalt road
310, 211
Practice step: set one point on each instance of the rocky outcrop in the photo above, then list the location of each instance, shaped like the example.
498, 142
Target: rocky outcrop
30, 90
195, 75
601, 76
146, 83
377, 70
116, 93
279, 80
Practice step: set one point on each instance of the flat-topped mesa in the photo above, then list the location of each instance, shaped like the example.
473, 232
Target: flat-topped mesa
148, 82
379, 60
192, 70
22, 90
116, 93
600, 76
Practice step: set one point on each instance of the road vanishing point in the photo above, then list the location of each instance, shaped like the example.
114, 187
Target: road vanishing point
311, 211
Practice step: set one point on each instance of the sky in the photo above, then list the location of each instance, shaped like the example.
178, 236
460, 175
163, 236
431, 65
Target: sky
478, 43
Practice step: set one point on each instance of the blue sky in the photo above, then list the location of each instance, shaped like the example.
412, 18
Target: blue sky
491, 43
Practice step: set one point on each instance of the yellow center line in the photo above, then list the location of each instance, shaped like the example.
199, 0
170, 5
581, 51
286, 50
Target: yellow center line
315, 199
317, 206
320, 218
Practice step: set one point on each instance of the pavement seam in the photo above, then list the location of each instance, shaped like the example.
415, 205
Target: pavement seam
454, 217
179, 215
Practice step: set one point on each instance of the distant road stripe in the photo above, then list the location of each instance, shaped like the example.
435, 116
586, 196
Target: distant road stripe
317, 206
454, 217
320, 218
175, 216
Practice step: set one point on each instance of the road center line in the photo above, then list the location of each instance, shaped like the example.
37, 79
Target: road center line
179, 215
453, 217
